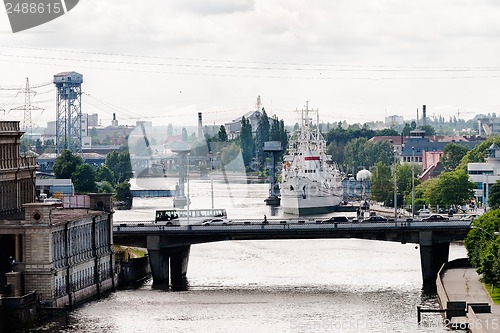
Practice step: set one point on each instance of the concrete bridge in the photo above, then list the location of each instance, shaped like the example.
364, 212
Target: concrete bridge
169, 246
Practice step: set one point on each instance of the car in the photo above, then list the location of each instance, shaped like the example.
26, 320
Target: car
424, 212
470, 217
336, 219
217, 221
375, 218
435, 217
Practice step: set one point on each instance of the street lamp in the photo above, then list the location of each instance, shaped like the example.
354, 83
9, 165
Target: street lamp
413, 182
211, 177
492, 235
395, 188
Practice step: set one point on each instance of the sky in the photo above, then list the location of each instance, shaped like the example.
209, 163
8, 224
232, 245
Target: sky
353, 60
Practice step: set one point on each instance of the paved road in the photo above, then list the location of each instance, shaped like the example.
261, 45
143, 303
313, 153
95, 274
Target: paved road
462, 284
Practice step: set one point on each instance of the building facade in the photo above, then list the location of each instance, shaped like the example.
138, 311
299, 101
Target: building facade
65, 255
485, 174
17, 184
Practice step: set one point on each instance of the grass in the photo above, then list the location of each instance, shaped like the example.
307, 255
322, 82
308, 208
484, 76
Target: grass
495, 295
125, 252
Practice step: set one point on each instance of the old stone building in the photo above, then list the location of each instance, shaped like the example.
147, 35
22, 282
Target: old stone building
17, 182
65, 255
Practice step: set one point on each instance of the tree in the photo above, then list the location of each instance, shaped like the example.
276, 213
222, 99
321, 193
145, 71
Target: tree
428, 129
66, 164
123, 192
119, 164
84, 178
246, 142
494, 195
452, 188
483, 246
106, 187
48, 146
222, 135
104, 174
184, 135
453, 154
261, 136
381, 183
361, 153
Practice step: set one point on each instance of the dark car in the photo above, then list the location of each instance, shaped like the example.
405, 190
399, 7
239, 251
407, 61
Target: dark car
435, 217
375, 218
336, 219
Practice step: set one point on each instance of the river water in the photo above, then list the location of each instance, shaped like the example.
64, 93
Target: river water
322, 285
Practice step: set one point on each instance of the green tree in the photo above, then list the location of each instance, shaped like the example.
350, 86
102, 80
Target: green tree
479, 153
184, 135
123, 192
48, 146
84, 178
404, 175
452, 188
66, 164
246, 142
483, 244
381, 183
494, 195
106, 187
453, 154
104, 174
222, 135
361, 153
262, 136
119, 164
336, 151
406, 130
229, 153
428, 129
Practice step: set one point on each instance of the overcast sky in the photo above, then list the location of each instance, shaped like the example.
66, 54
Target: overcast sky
354, 60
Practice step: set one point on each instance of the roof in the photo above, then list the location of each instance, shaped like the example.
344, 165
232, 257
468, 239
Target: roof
394, 139
53, 182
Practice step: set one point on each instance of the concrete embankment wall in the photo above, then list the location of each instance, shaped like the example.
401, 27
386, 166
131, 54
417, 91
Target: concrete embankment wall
134, 270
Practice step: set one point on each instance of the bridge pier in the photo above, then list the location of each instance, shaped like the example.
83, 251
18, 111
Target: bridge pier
168, 265
432, 256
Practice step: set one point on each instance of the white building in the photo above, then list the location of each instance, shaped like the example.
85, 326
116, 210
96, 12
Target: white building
485, 174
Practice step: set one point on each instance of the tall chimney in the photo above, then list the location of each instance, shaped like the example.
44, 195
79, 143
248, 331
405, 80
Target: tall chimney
200, 127
424, 116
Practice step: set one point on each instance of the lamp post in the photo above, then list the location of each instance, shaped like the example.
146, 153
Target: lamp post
413, 182
492, 235
395, 187
212, 178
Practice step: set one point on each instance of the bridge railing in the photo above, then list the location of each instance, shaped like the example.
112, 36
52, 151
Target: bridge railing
255, 225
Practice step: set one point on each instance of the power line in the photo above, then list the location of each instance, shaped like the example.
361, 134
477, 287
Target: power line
204, 60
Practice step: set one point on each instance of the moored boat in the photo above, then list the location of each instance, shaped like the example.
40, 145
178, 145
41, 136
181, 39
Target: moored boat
311, 183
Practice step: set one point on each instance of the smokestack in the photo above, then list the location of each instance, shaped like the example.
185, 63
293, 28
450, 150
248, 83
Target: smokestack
114, 122
424, 116
200, 127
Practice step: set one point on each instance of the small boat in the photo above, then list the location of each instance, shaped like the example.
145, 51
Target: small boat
311, 182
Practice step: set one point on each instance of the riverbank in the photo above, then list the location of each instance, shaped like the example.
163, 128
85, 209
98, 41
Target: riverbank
467, 302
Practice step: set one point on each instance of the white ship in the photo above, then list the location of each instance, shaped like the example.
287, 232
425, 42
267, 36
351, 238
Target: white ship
310, 182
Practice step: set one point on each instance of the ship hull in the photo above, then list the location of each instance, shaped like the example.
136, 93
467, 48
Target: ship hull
297, 205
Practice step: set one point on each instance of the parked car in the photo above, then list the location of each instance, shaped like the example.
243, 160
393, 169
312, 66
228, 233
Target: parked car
217, 221
375, 218
435, 217
336, 219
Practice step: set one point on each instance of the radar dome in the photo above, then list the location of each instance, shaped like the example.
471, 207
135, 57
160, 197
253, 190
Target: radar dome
363, 175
